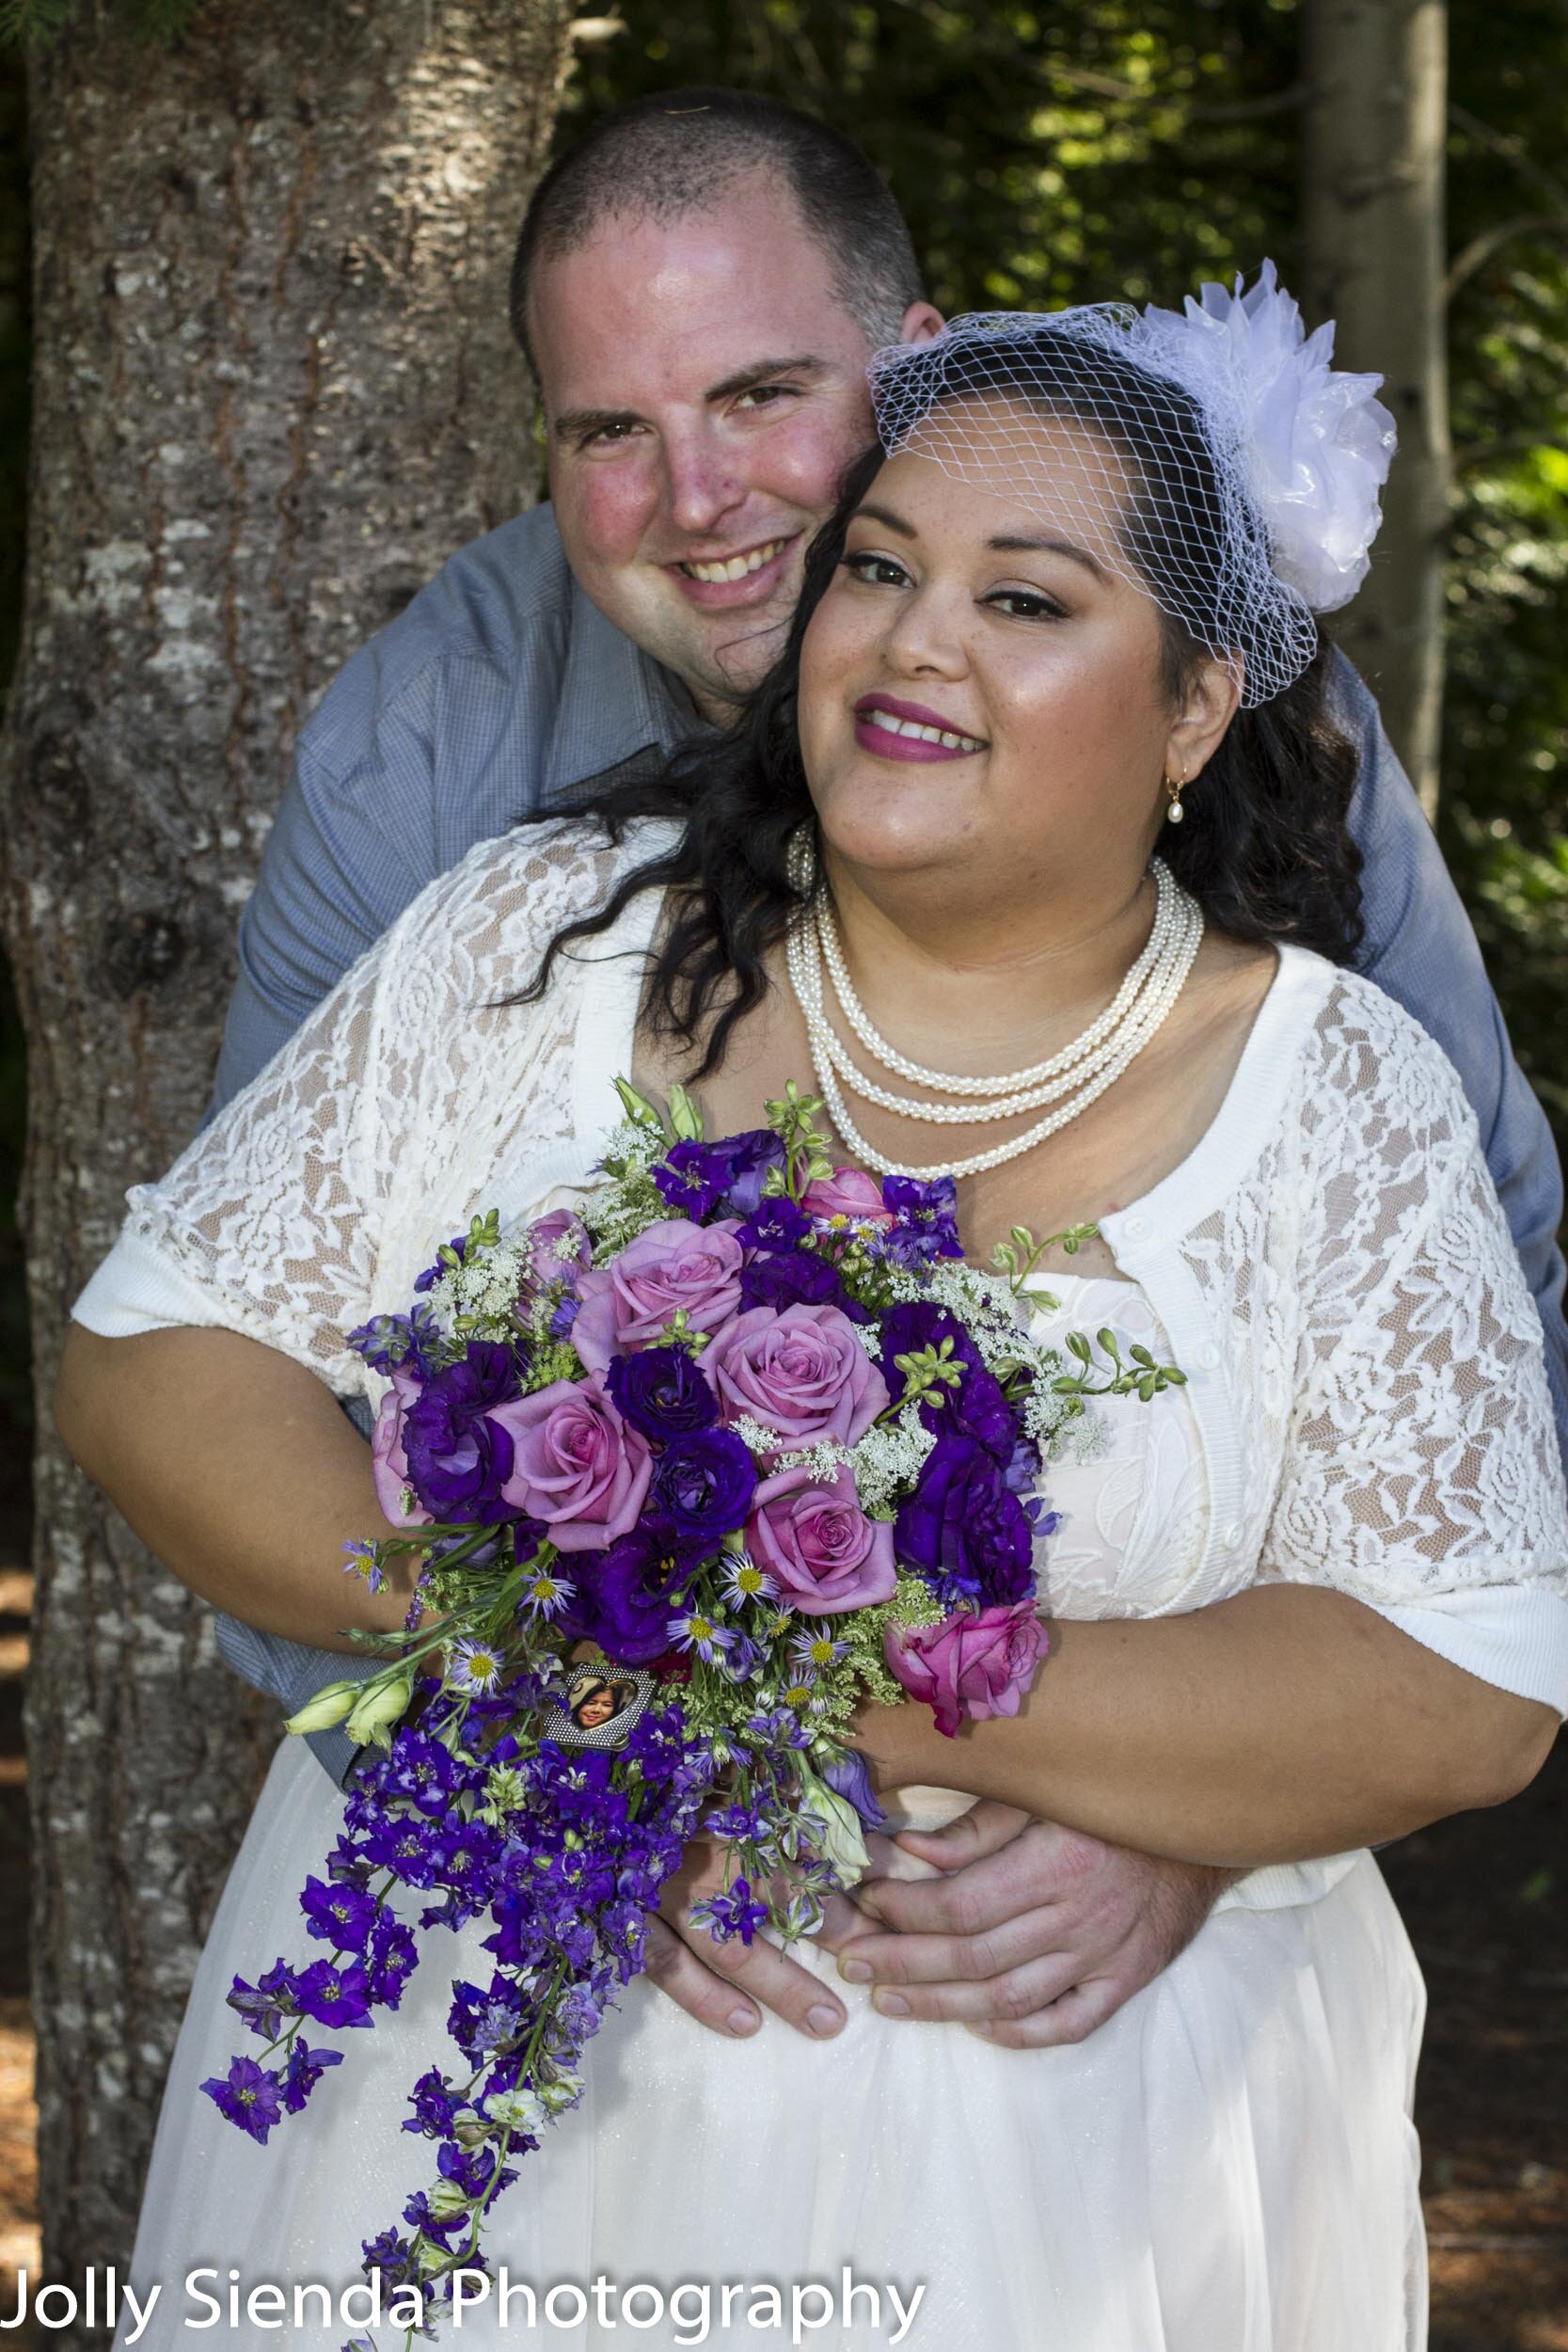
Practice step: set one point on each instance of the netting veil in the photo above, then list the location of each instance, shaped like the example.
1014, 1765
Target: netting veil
1210, 456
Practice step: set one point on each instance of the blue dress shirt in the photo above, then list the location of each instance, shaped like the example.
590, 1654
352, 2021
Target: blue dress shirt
502, 687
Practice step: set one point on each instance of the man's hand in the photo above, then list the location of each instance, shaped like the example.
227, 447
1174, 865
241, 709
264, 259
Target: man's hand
1034, 1936
727, 1986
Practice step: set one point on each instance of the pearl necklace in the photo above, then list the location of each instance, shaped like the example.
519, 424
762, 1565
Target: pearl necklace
1079, 1073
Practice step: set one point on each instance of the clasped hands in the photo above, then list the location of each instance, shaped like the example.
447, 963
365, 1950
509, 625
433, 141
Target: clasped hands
1032, 1936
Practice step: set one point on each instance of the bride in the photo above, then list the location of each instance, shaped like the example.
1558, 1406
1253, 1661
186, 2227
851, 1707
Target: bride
1052, 712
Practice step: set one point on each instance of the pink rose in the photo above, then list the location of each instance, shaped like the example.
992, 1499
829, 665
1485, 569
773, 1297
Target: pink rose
800, 1370
673, 1264
818, 1544
558, 1244
576, 1464
969, 1666
388, 1462
847, 1192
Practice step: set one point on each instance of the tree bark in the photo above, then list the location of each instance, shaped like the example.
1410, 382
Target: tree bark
1372, 179
274, 388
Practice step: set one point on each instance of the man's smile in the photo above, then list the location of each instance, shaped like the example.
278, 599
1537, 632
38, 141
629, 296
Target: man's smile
749, 576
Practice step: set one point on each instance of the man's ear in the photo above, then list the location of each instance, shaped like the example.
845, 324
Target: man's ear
921, 320
1210, 702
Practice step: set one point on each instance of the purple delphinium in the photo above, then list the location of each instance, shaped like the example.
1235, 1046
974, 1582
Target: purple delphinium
248, 2096
732, 1913
927, 1219
338, 1914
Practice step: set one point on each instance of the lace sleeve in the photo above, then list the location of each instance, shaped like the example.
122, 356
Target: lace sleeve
1421, 1460
278, 1209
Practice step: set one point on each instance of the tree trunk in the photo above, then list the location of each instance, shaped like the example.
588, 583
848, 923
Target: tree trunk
1372, 184
275, 390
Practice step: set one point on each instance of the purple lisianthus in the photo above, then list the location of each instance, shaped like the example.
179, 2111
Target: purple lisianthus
963, 1529
977, 1407
848, 1778
705, 1483
925, 1219
623, 1600
248, 2096
796, 1278
661, 1392
459, 1456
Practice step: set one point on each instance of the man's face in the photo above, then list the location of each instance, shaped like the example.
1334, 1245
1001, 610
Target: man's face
704, 389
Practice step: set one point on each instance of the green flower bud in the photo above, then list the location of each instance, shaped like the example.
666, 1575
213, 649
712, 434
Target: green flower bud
383, 1702
327, 1707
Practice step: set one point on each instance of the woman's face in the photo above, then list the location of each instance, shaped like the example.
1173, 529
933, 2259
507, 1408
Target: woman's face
596, 1705
991, 619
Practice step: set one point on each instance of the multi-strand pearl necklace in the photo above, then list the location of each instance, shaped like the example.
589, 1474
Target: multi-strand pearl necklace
1070, 1081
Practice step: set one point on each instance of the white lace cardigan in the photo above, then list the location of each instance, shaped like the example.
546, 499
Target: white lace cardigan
1331, 1262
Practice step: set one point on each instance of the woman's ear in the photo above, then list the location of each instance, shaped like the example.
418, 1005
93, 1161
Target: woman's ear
1208, 703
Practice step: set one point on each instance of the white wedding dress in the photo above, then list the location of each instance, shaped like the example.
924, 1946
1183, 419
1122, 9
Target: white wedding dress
1228, 2165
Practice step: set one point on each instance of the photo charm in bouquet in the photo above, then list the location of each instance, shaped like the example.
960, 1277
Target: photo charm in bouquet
690, 1470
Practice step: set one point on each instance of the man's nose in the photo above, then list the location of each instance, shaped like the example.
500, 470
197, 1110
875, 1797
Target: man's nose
702, 486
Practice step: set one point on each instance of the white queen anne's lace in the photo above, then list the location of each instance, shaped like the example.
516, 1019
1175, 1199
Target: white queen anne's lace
1383, 1384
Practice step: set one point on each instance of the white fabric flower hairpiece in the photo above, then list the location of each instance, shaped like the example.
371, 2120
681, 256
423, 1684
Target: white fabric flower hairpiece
1213, 457
1317, 440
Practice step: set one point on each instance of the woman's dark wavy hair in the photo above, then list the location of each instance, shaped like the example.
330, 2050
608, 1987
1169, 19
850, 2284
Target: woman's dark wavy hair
1265, 848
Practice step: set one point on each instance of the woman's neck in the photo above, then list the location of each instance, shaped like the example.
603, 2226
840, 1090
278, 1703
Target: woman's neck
982, 980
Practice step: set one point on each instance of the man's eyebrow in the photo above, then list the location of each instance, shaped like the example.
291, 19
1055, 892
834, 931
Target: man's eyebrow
762, 371
577, 423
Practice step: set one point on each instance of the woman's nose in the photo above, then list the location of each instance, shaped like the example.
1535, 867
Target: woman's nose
925, 637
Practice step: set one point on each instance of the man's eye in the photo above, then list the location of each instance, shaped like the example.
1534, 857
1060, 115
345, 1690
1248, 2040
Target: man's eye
878, 571
606, 436
766, 395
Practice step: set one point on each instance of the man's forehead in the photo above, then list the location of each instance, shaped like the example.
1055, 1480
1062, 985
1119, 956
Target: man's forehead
646, 309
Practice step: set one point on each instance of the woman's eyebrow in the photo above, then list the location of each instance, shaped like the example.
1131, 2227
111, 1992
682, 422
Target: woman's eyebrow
884, 515
1016, 543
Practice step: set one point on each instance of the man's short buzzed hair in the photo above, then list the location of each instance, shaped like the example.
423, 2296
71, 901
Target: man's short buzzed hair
681, 153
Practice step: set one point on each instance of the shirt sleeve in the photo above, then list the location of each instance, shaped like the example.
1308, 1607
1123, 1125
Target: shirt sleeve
1421, 950
1422, 1472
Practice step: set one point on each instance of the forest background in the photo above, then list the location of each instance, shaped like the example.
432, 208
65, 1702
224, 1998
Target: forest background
1091, 148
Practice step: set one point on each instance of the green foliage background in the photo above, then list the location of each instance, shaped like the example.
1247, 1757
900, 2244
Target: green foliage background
1098, 148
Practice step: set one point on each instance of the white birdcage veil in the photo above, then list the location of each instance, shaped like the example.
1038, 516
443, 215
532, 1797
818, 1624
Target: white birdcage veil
1210, 456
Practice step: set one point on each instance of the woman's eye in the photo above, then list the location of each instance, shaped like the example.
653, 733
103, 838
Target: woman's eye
878, 571
1027, 604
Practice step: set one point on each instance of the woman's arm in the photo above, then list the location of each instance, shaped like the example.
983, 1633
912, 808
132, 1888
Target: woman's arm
236, 1468
1288, 1722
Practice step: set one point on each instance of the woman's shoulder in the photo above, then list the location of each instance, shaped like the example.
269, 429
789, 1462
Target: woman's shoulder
502, 903
1368, 1055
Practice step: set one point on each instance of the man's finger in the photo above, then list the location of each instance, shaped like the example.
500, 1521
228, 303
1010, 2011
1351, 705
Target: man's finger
981, 1830
975, 1898
760, 1969
1079, 2011
871, 1959
842, 1923
1009, 1999
709, 1999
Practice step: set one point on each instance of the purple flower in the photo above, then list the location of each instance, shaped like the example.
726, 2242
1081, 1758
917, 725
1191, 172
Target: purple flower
796, 1278
577, 1464
624, 1604
778, 1223
248, 2096
434, 2106
340, 1916
305, 2070
963, 1530
459, 1456
693, 1177
978, 1407
265, 2003
672, 1266
390, 1960
334, 1994
803, 1372
848, 1778
732, 1913
661, 1392
431, 1275
705, 1483
969, 1668
927, 1218
818, 1545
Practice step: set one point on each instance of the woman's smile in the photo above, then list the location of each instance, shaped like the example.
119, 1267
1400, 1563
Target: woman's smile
891, 729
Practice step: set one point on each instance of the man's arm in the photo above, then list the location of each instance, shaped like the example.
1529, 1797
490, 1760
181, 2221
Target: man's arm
1420, 948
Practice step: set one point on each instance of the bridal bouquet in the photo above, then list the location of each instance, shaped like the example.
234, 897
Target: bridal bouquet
690, 1470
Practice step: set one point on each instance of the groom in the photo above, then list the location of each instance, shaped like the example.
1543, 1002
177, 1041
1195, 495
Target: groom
697, 288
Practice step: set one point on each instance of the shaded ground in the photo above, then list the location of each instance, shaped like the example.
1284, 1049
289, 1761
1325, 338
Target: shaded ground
1486, 1901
